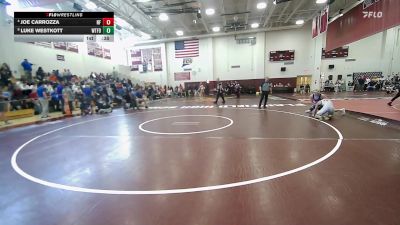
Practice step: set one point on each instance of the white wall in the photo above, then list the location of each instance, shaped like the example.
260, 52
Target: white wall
380, 52
219, 54
202, 66
295, 39
396, 53
228, 53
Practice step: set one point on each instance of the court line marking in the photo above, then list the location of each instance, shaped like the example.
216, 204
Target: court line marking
221, 138
185, 133
186, 123
395, 107
17, 169
384, 112
250, 138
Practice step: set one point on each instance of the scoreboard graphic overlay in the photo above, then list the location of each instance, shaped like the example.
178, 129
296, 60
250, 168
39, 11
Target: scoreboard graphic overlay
64, 26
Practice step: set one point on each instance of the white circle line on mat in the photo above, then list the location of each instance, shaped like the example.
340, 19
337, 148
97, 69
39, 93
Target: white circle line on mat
15, 166
185, 133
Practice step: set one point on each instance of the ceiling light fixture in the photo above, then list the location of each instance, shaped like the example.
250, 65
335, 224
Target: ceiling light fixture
179, 33
261, 5
91, 6
300, 22
321, 1
163, 17
216, 29
255, 25
210, 11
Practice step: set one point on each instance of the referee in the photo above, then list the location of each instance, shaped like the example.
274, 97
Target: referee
265, 89
220, 93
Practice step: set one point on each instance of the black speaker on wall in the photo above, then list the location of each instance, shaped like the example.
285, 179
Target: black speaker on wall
331, 66
330, 77
283, 69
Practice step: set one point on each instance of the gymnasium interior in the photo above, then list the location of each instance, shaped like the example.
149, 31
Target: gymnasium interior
199, 112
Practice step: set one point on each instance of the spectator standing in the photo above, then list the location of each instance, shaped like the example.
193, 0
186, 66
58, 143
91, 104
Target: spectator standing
54, 103
59, 91
110, 93
207, 89
201, 90
181, 91
361, 82
307, 88
40, 74
4, 97
88, 97
366, 84
27, 66
44, 102
237, 89
69, 96
302, 88
5, 75
68, 75
337, 86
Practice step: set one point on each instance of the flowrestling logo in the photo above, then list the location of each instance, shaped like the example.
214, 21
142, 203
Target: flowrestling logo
373, 15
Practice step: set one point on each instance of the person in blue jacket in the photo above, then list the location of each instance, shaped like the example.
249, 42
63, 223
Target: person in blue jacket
59, 91
27, 69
